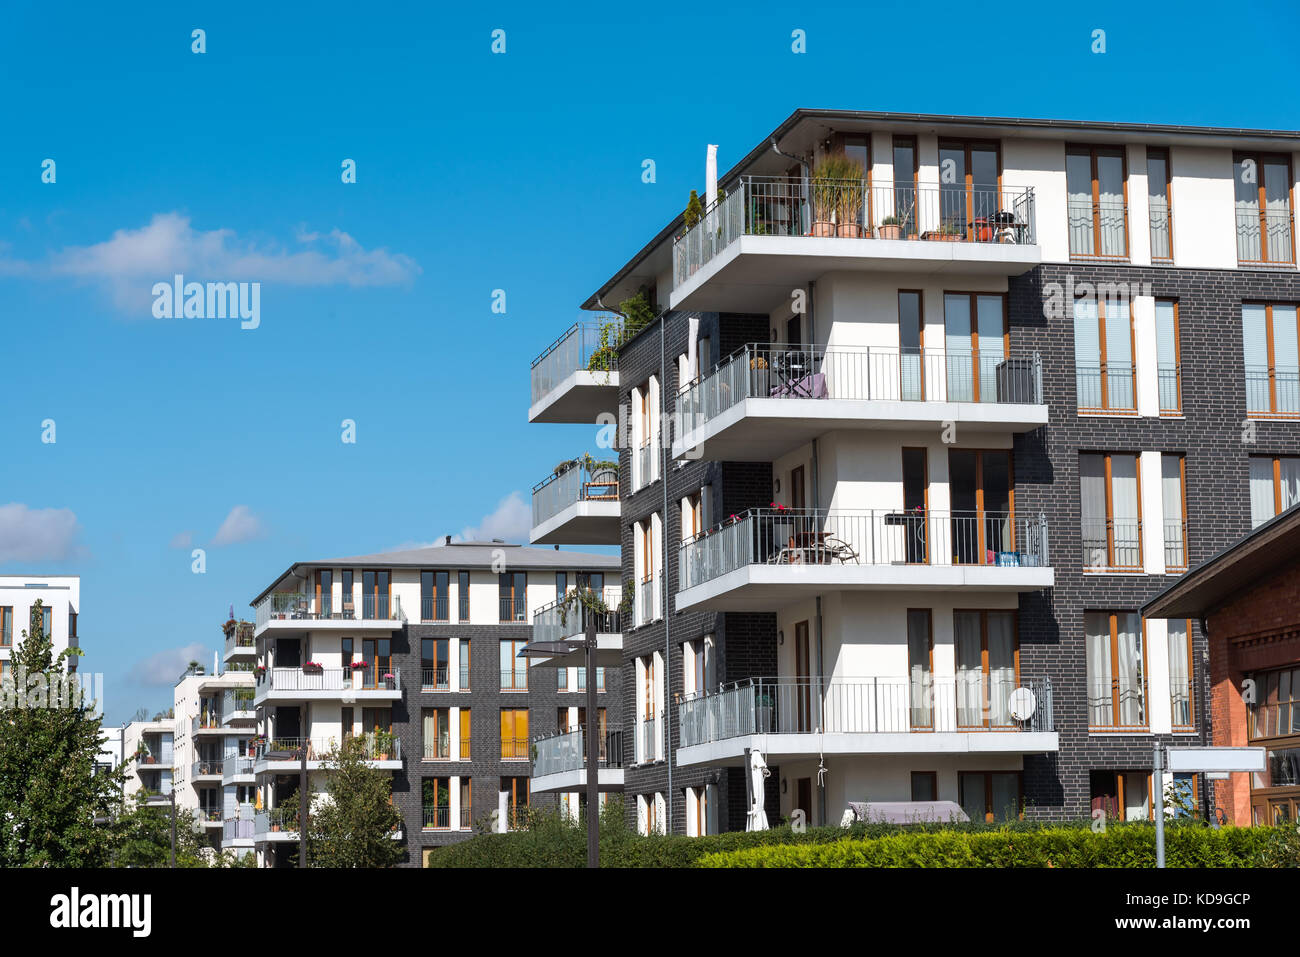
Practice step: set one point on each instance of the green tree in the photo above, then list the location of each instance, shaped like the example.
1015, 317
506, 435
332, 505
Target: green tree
51, 795
353, 822
143, 835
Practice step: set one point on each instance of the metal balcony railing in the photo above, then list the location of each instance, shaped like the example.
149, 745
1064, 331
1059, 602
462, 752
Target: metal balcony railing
241, 637
438, 749
516, 679
1117, 703
1098, 230
514, 749
513, 610
649, 601
645, 459
466, 817
237, 704
582, 679
437, 818
276, 820
1162, 246
650, 739
1169, 387
241, 826
884, 705
1175, 545
237, 765
433, 679
854, 209
568, 617
1273, 390
293, 606
207, 721
1265, 237
433, 608
557, 492
1106, 387
861, 373
1112, 544
568, 751
1180, 701
375, 748
206, 767
786, 536
373, 677
584, 346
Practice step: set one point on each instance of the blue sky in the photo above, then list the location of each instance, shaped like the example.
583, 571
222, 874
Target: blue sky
475, 172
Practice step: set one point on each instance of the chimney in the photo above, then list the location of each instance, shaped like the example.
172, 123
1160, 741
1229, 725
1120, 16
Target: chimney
448, 541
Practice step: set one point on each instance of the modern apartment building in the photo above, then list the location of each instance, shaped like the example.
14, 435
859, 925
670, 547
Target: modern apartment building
150, 750
929, 408
60, 597
419, 651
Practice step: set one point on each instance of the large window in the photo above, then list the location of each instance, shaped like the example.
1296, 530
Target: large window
1103, 356
517, 803
1097, 208
437, 734
1274, 486
982, 491
462, 595
433, 664
988, 667
905, 185
434, 590
969, 186
514, 734
1169, 358
464, 664
1272, 356
436, 794
1173, 500
512, 593
990, 795
465, 736
1276, 711
6, 626
1117, 670
375, 588
1112, 517
1274, 722
911, 345
1181, 699
1121, 795
975, 342
920, 668
1160, 204
514, 670
377, 653
1265, 232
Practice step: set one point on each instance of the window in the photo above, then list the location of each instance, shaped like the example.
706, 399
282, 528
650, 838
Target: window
582, 678
983, 506
1272, 355
925, 786
911, 346
702, 810
645, 431
649, 705
437, 734
433, 664
1265, 232
975, 344
1173, 498
969, 181
517, 801
436, 793
988, 667
47, 621
1274, 721
324, 593
514, 670
514, 734
1169, 368
1110, 493
1117, 669
6, 626
464, 664
1180, 674
464, 734
462, 595
349, 600
1096, 183
1160, 204
1122, 795
650, 813
990, 795
377, 653
1274, 486
698, 665
375, 588
562, 679
1276, 712
1103, 356
904, 207
646, 536
433, 595
920, 667
512, 591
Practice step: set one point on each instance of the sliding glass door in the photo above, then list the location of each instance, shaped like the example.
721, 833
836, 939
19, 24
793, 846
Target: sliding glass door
975, 342
988, 667
983, 505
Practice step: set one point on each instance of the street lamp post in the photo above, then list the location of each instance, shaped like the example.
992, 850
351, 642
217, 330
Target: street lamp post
593, 752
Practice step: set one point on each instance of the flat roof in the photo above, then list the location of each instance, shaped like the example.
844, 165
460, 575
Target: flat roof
1166, 132
1270, 548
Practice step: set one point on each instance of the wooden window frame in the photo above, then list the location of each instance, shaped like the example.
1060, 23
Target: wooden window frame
1113, 622
1169, 200
462, 597
983, 614
1182, 494
1121, 807
929, 622
967, 146
6, 619
1272, 411
1191, 679
516, 667
981, 512
932, 777
1093, 151
1110, 565
988, 791
920, 330
840, 141
1104, 361
1261, 201
1178, 362
973, 312
514, 733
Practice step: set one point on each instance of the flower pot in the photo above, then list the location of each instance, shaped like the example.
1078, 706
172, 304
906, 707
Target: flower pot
849, 230
823, 228
890, 231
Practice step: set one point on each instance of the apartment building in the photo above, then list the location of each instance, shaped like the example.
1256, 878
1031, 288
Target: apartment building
929, 408
420, 652
60, 597
150, 750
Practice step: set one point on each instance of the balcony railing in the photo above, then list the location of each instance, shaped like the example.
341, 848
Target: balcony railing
1180, 701
206, 767
208, 815
1273, 390
649, 601
320, 749
568, 617
1162, 248
276, 820
1169, 387
650, 739
241, 637
557, 492
240, 827
237, 765
512, 610
465, 747
437, 818
584, 346
433, 608
855, 209
1175, 545
1107, 387
374, 677
645, 457
568, 752
207, 721
514, 749
1117, 703
438, 749
582, 679
863, 373
292, 606
786, 536
433, 679
516, 680
886, 705
1265, 239
1112, 544
1098, 230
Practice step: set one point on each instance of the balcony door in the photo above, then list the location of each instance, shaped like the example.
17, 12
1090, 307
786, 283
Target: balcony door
377, 653
324, 593
1263, 203
803, 683
911, 346
988, 667
1116, 668
975, 344
920, 667
1096, 180
375, 590
970, 180
983, 505
916, 506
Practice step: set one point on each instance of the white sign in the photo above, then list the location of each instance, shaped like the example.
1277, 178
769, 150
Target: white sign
1216, 759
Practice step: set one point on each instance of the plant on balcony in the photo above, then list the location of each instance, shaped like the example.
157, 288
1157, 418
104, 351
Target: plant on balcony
827, 185
312, 666
890, 228
638, 312
259, 670
694, 211
849, 208
383, 745
359, 666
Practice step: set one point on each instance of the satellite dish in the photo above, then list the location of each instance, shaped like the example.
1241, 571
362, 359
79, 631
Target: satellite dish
1022, 704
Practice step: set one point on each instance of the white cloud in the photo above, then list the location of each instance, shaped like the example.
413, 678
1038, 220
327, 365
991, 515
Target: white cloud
511, 521
36, 534
182, 540
129, 263
162, 669
241, 525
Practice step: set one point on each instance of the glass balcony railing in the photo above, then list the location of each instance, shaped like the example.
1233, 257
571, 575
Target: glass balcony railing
568, 617
293, 606
568, 751
576, 484
373, 677
584, 347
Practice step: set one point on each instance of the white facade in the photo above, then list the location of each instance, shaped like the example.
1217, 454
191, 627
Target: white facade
61, 594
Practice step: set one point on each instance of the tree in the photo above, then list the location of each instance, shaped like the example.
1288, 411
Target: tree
144, 840
56, 807
353, 823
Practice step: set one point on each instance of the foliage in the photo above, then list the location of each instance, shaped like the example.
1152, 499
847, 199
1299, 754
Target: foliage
143, 836
353, 823
829, 185
637, 312
50, 791
694, 211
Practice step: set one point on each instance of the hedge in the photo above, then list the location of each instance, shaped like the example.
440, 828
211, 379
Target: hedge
1127, 845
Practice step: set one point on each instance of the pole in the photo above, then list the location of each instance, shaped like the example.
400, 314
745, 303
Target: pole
302, 809
172, 795
593, 753
1158, 802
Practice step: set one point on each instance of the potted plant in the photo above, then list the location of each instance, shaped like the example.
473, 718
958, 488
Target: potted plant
850, 210
890, 228
390, 682
312, 667
694, 211
828, 184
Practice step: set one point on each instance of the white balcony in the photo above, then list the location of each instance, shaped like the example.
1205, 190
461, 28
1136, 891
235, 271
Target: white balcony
768, 235
576, 378
298, 612
566, 620
283, 755
764, 401
578, 506
306, 683
788, 719
560, 762
768, 558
